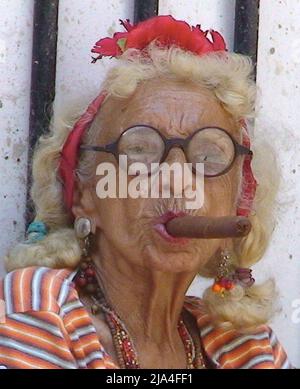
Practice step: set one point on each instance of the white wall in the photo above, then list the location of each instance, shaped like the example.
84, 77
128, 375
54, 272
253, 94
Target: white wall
80, 25
215, 14
16, 18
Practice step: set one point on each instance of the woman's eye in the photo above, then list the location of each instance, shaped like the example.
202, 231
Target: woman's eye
206, 158
141, 148
136, 149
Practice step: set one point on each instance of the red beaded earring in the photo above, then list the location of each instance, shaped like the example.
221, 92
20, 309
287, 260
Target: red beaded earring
85, 279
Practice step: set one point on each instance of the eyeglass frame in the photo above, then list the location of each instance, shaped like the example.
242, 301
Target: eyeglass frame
169, 143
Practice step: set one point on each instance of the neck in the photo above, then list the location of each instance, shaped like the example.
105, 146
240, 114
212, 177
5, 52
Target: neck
148, 302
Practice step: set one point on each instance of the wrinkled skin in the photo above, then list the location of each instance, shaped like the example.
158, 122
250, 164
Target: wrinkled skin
145, 277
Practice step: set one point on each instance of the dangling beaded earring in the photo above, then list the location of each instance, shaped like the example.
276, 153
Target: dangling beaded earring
228, 276
223, 281
85, 279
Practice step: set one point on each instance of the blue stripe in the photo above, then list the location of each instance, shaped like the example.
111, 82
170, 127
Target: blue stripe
82, 331
238, 342
90, 358
8, 295
25, 318
273, 338
32, 351
70, 306
256, 360
206, 330
72, 275
63, 294
36, 287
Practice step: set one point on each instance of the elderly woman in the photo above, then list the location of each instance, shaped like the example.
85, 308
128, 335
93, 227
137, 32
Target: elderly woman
101, 282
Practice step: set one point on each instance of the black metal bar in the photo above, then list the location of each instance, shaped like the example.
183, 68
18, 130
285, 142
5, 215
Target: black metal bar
246, 28
42, 75
145, 9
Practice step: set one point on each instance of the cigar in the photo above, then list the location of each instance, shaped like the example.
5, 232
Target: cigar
209, 227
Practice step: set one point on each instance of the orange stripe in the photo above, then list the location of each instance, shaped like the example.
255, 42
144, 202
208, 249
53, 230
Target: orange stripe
27, 282
19, 290
28, 327
85, 340
54, 292
101, 364
77, 318
38, 362
279, 355
106, 363
50, 343
12, 362
245, 352
218, 338
15, 285
27, 292
264, 365
52, 289
46, 299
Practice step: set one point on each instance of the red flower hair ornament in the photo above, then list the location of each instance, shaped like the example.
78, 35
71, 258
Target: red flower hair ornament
166, 31
163, 29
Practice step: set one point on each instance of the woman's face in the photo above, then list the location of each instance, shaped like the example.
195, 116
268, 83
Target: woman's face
134, 227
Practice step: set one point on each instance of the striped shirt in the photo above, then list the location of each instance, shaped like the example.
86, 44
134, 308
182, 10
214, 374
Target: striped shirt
46, 326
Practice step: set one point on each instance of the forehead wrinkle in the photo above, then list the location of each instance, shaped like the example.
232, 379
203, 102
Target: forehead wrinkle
186, 111
168, 118
166, 125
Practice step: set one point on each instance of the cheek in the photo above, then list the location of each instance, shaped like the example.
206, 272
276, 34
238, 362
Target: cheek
114, 212
220, 194
114, 215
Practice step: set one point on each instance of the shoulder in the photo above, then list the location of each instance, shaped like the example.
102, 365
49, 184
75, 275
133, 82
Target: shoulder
228, 348
45, 325
36, 289
257, 348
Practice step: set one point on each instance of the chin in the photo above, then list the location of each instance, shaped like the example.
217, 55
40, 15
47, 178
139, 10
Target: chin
172, 261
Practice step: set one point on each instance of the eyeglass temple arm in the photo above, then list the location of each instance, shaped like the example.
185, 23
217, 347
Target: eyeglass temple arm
242, 150
107, 149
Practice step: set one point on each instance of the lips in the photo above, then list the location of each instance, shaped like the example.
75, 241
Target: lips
160, 227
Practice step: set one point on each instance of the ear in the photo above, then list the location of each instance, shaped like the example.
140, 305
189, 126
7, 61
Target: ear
83, 204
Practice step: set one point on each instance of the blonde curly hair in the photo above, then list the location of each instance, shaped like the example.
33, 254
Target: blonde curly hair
229, 77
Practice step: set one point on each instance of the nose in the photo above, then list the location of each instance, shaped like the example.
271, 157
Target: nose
176, 154
177, 182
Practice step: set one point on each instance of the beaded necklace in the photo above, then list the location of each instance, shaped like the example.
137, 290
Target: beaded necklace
126, 352
86, 280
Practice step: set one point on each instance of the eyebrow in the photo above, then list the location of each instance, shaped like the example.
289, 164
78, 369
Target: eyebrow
161, 128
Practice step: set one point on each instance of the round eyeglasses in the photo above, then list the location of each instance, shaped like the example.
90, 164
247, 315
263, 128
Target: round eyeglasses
213, 147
